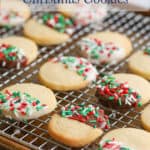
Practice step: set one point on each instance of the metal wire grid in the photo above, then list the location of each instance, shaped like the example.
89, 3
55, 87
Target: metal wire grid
34, 133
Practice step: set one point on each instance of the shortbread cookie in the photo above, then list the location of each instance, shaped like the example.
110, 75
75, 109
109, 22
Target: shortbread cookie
13, 12
26, 101
50, 29
139, 84
16, 51
115, 94
67, 73
78, 125
135, 139
113, 145
139, 63
84, 14
105, 47
145, 118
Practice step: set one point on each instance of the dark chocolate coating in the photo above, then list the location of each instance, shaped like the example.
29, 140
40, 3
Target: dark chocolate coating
104, 100
13, 64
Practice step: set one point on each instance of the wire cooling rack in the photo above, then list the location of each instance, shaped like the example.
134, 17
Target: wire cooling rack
33, 134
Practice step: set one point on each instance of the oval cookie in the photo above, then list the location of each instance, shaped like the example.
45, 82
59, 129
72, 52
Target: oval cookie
145, 118
139, 63
50, 29
78, 125
137, 83
67, 73
13, 12
26, 101
14, 48
105, 47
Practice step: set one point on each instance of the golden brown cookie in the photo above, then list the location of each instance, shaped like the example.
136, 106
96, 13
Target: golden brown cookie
145, 118
67, 73
78, 125
26, 101
15, 50
50, 29
139, 63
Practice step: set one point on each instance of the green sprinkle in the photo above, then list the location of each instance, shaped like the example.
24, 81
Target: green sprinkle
100, 148
63, 114
138, 97
66, 113
69, 22
124, 148
37, 102
139, 104
92, 121
130, 90
7, 27
82, 104
111, 98
62, 30
111, 52
4, 100
80, 72
25, 121
38, 108
28, 111
108, 122
1, 112
96, 114
2, 96
119, 102
45, 17
147, 51
16, 94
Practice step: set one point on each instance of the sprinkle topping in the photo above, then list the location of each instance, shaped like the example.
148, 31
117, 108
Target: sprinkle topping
121, 93
21, 104
86, 14
112, 145
100, 52
58, 22
91, 115
9, 54
147, 51
80, 65
8, 17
